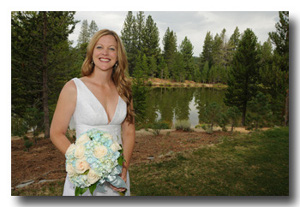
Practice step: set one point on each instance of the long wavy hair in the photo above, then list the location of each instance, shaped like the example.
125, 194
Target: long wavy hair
118, 76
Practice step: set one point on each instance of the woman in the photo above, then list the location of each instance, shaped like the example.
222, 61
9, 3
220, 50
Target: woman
100, 99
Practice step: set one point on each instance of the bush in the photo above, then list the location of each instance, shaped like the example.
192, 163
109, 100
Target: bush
207, 128
157, 126
184, 125
27, 143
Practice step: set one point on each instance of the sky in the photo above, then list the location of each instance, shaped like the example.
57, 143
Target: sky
192, 24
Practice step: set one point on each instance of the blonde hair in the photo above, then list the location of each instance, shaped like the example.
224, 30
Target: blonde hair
118, 76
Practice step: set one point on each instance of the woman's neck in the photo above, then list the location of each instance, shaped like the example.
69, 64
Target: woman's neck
101, 77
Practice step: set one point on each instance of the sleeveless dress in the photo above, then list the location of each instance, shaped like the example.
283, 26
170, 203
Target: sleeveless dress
89, 113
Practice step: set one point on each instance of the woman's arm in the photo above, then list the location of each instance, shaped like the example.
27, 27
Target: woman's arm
64, 109
128, 138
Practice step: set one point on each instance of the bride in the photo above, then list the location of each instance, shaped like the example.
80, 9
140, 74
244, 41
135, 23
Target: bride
100, 99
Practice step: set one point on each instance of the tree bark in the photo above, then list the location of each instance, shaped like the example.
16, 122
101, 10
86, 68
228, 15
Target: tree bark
45, 77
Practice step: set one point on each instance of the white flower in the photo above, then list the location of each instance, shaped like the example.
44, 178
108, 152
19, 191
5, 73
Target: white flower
92, 176
82, 139
79, 151
82, 166
70, 170
100, 151
70, 150
109, 136
115, 146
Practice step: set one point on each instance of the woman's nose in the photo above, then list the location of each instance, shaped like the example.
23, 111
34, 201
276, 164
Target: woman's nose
104, 51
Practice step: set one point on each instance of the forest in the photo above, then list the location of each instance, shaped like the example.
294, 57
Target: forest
43, 60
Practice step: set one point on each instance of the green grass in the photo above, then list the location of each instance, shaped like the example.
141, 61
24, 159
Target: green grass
256, 164
245, 165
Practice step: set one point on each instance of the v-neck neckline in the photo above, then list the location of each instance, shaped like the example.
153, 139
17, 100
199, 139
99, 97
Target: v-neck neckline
108, 122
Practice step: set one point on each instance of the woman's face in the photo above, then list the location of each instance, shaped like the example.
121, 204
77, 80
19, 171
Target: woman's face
105, 53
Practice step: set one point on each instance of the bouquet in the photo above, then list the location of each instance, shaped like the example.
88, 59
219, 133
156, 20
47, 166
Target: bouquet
95, 158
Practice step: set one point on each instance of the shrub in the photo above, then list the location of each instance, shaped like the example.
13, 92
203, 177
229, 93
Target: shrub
184, 125
157, 126
27, 143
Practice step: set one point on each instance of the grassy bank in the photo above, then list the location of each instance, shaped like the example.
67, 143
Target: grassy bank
245, 165
157, 82
255, 164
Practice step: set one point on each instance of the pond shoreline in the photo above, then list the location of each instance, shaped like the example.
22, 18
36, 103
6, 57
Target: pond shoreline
157, 82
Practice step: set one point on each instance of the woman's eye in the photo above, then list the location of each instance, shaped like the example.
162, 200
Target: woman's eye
113, 49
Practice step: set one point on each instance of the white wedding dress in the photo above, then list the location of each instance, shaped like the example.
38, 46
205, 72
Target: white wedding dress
89, 113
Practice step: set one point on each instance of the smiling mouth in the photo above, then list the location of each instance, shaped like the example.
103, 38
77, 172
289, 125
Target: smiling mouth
104, 59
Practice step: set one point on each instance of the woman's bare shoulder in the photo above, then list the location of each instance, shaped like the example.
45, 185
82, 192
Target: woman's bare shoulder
69, 89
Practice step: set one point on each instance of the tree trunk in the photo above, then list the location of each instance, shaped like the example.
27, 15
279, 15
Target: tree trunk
244, 116
45, 74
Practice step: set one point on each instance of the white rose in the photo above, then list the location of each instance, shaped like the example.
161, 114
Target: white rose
82, 166
79, 151
70, 150
100, 151
82, 139
92, 176
109, 136
70, 170
115, 146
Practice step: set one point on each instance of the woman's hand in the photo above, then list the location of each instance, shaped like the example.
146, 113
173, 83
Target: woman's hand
123, 175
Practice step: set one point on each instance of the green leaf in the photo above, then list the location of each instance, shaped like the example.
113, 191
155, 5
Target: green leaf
93, 187
79, 191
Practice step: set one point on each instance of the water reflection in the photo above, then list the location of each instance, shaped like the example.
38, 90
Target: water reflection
171, 104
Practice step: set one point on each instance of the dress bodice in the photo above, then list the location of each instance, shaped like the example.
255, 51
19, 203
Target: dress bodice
90, 113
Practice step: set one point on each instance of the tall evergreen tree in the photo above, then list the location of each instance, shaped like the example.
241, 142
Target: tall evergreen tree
281, 61
39, 46
140, 30
129, 39
243, 79
281, 40
93, 28
233, 44
170, 49
151, 39
84, 34
186, 49
206, 55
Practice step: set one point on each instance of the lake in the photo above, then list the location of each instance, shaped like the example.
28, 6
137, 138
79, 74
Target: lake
171, 104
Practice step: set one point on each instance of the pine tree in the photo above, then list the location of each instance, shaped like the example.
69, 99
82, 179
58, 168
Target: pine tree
206, 55
186, 49
205, 73
243, 78
151, 39
140, 30
39, 46
93, 28
281, 56
233, 44
170, 49
281, 40
163, 68
152, 67
84, 34
178, 72
259, 109
129, 39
